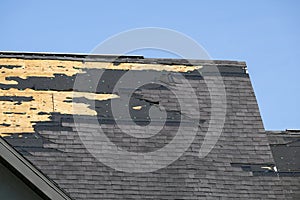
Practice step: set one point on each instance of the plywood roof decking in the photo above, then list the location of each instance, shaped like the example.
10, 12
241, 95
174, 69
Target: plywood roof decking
23, 68
20, 117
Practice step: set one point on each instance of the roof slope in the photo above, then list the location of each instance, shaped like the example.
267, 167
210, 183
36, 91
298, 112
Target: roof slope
285, 146
30, 175
239, 166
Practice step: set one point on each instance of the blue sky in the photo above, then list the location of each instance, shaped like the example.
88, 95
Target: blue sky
265, 34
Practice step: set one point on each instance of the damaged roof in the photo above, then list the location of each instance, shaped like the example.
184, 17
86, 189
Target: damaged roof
37, 97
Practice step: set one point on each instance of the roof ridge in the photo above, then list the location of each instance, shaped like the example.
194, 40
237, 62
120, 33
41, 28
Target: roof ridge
114, 57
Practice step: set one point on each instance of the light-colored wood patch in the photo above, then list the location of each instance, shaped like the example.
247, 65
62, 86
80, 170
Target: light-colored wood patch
48, 68
140, 66
21, 117
137, 107
36, 68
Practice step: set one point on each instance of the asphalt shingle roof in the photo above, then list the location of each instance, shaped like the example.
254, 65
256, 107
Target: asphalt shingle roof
236, 168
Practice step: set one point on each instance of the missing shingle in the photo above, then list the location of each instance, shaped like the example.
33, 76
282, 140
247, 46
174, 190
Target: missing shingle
137, 107
257, 169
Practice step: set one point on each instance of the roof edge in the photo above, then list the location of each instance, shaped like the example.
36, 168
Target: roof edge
284, 132
31, 173
113, 58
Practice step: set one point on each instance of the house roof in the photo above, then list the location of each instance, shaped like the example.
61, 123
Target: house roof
36, 89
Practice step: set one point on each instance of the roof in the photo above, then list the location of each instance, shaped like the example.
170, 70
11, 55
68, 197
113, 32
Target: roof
285, 146
32, 176
113, 58
36, 89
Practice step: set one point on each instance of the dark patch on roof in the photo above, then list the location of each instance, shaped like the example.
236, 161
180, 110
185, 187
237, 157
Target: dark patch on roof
18, 99
285, 146
10, 66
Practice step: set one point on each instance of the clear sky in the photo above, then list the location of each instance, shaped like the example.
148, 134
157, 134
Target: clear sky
264, 33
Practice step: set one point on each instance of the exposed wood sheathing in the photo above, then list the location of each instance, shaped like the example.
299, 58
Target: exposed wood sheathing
47, 68
141, 66
19, 117
36, 68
